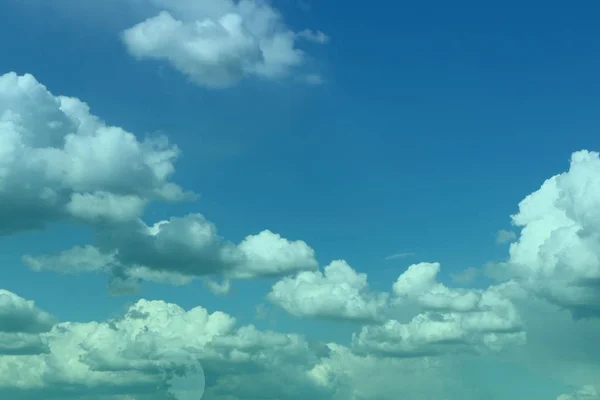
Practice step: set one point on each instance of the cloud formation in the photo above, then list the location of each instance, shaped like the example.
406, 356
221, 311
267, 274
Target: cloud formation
178, 250
557, 254
217, 43
339, 292
21, 325
60, 162
139, 353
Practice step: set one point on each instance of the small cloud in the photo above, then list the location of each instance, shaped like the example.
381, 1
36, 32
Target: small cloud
466, 275
219, 289
314, 36
262, 312
399, 255
504, 236
314, 79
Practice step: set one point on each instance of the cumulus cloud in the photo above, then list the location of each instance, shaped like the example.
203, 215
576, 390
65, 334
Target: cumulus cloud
149, 351
178, 250
453, 320
216, 43
20, 315
21, 325
59, 161
431, 334
419, 284
143, 350
557, 254
339, 292
450, 320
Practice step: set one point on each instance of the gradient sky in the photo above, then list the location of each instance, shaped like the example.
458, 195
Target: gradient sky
428, 125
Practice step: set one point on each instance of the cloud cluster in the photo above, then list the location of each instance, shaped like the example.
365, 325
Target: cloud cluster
338, 293
139, 352
21, 325
216, 43
177, 250
450, 320
557, 254
58, 161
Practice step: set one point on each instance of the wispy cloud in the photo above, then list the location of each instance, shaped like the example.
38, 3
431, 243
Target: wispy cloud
465, 276
399, 255
504, 236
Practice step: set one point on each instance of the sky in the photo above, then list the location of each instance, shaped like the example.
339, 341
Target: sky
248, 200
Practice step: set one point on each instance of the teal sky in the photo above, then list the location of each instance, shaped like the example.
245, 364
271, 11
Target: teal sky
386, 135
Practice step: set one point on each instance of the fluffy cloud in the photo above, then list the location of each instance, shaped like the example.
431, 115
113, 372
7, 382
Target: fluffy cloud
20, 315
557, 254
439, 333
216, 43
145, 351
180, 249
59, 161
149, 351
454, 320
338, 293
21, 325
451, 321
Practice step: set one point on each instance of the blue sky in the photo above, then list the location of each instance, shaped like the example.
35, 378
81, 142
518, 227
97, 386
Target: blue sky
431, 125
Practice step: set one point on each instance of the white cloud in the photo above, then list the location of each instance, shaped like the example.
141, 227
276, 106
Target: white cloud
59, 161
339, 292
314, 36
18, 344
419, 284
18, 315
557, 255
431, 334
398, 256
21, 326
216, 43
178, 250
140, 351
452, 321
77, 259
